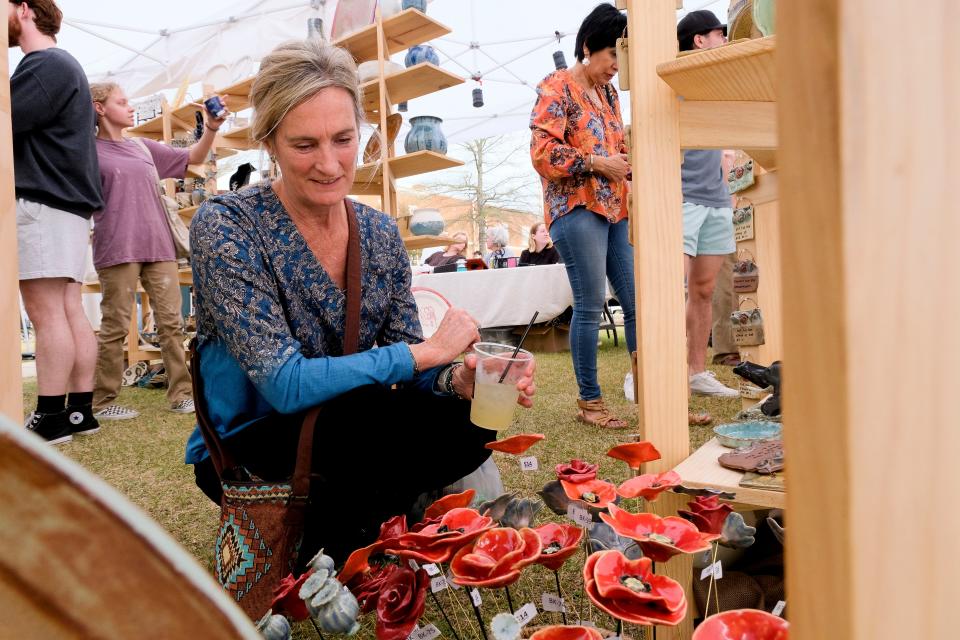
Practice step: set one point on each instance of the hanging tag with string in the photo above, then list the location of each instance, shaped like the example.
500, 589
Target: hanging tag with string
747, 325
743, 220
746, 274
741, 177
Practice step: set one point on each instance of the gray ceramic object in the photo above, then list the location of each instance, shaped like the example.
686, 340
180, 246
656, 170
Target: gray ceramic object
425, 135
497, 507
736, 533
743, 434
419, 5
426, 222
521, 513
330, 603
421, 53
603, 538
274, 627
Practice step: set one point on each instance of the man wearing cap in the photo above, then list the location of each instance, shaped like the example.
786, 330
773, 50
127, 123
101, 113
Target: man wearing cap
707, 221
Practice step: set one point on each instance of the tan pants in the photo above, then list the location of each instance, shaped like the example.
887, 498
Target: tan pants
724, 303
119, 286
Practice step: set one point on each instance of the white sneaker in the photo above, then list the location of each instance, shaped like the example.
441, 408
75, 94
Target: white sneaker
183, 406
628, 387
705, 383
116, 412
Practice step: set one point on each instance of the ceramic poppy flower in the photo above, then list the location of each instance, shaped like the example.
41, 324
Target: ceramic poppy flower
368, 586
562, 632
357, 563
576, 471
558, 542
630, 591
286, 597
496, 558
635, 453
707, 513
660, 538
596, 493
446, 503
649, 486
438, 541
401, 602
516, 444
743, 624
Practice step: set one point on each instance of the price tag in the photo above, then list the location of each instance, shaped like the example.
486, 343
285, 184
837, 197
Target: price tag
553, 602
431, 569
579, 515
781, 605
718, 570
715, 570
429, 632
451, 583
529, 463
475, 597
413, 564
586, 623
526, 613
438, 584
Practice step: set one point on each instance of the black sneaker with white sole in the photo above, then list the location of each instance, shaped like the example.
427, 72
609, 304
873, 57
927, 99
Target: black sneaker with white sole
52, 427
82, 423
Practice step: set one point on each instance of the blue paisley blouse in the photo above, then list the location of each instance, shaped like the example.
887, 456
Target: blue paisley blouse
270, 321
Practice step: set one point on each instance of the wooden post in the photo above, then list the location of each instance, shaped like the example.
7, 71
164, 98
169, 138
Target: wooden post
11, 385
869, 140
656, 217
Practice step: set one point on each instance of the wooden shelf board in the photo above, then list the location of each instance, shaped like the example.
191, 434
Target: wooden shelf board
152, 129
413, 82
740, 71
702, 471
728, 124
237, 95
402, 31
411, 164
422, 242
237, 139
766, 158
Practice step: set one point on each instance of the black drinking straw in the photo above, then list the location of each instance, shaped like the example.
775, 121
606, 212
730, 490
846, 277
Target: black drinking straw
519, 344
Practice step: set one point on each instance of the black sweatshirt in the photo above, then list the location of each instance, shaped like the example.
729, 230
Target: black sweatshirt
54, 150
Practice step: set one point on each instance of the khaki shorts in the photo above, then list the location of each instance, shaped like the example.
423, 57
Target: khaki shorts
51, 243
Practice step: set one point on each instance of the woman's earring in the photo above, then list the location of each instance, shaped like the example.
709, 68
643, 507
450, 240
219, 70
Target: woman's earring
586, 61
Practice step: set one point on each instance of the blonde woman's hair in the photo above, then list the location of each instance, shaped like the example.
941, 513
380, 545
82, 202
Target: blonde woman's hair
294, 72
466, 241
531, 243
100, 91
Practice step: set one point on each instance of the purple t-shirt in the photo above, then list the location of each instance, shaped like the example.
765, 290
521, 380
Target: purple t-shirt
132, 226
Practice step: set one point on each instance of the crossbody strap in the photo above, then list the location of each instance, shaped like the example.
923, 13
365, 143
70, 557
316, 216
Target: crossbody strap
156, 175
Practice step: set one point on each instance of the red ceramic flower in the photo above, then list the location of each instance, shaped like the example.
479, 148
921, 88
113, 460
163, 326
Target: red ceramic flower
561, 632
286, 597
576, 471
707, 513
659, 538
596, 493
438, 541
401, 602
496, 558
368, 586
629, 591
558, 542
446, 503
649, 486
635, 453
516, 444
743, 624
357, 563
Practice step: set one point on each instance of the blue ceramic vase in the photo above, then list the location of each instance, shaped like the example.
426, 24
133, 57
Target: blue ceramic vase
426, 222
419, 5
421, 53
425, 135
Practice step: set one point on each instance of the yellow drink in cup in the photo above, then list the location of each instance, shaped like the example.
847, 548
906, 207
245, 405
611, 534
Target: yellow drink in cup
494, 401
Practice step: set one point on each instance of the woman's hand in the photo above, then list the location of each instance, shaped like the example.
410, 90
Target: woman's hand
464, 377
614, 168
457, 333
213, 123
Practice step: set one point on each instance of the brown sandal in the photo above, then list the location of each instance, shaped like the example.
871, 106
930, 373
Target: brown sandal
604, 419
698, 419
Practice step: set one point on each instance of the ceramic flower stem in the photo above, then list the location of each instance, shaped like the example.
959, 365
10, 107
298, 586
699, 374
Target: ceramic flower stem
319, 633
716, 587
509, 599
444, 614
619, 628
556, 575
476, 611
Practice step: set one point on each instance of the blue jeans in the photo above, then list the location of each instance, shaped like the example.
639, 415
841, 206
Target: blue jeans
594, 250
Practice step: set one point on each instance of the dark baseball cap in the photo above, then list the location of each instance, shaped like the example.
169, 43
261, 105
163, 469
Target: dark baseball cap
698, 22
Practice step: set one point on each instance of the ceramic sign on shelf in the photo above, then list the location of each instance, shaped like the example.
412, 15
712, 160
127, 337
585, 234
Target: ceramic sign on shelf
743, 223
746, 275
747, 327
425, 135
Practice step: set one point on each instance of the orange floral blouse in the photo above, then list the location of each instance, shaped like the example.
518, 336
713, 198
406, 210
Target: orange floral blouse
567, 127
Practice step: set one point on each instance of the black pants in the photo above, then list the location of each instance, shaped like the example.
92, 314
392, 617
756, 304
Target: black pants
375, 451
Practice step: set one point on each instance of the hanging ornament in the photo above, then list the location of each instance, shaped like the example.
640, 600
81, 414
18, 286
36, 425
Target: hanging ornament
315, 29
559, 60
478, 97
402, 106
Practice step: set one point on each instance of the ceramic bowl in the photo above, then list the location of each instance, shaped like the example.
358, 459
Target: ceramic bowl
742, 434
368, 70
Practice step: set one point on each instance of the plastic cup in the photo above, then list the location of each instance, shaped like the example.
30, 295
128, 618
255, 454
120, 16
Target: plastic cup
494, 401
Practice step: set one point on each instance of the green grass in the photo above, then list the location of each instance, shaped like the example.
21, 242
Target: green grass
143, 459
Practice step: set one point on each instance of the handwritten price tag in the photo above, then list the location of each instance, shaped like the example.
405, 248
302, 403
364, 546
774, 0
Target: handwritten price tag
526, 613
413, 564
529, 463
778, 610
450, 582
431, 569
579, 515
586, 623
438, 584
475, 597
553, 602
429, 632
715, 570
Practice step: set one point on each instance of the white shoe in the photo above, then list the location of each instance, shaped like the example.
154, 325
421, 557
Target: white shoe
628, 387
183, 406
705, 383
116, 412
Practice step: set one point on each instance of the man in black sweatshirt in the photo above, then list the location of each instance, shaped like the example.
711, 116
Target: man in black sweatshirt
58, 189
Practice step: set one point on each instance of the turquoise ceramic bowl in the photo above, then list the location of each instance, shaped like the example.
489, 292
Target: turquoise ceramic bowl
741, 434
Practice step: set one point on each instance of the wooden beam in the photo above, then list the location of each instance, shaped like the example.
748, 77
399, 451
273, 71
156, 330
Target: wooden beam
869, 229
728, 125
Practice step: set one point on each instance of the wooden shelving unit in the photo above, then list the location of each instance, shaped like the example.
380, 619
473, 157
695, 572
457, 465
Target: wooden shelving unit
401, 31
413, 82
422, 242
411, 164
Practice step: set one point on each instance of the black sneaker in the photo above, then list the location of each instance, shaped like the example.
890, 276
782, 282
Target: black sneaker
82, 424
52, 427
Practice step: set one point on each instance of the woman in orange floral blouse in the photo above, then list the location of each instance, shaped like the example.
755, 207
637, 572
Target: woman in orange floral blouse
578, 149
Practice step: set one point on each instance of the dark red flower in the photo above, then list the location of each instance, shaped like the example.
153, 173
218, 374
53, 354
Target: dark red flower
402, 598
707, 513
558, 542
286, 597
516, 444
446, 503
659, 538
496, 558
649, 486
596, 493
368, 586
357, 563
629, 591
576, 471
438, 541
743, 624
635, 453
561, 632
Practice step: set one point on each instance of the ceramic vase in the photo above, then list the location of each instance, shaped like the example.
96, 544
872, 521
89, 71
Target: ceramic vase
764, 16
421, 53
419, 5
426, 222
425, 135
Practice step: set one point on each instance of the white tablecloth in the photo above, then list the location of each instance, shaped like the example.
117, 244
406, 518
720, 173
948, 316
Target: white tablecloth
504, 297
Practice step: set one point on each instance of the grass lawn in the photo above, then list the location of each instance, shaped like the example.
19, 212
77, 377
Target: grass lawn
143, 459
